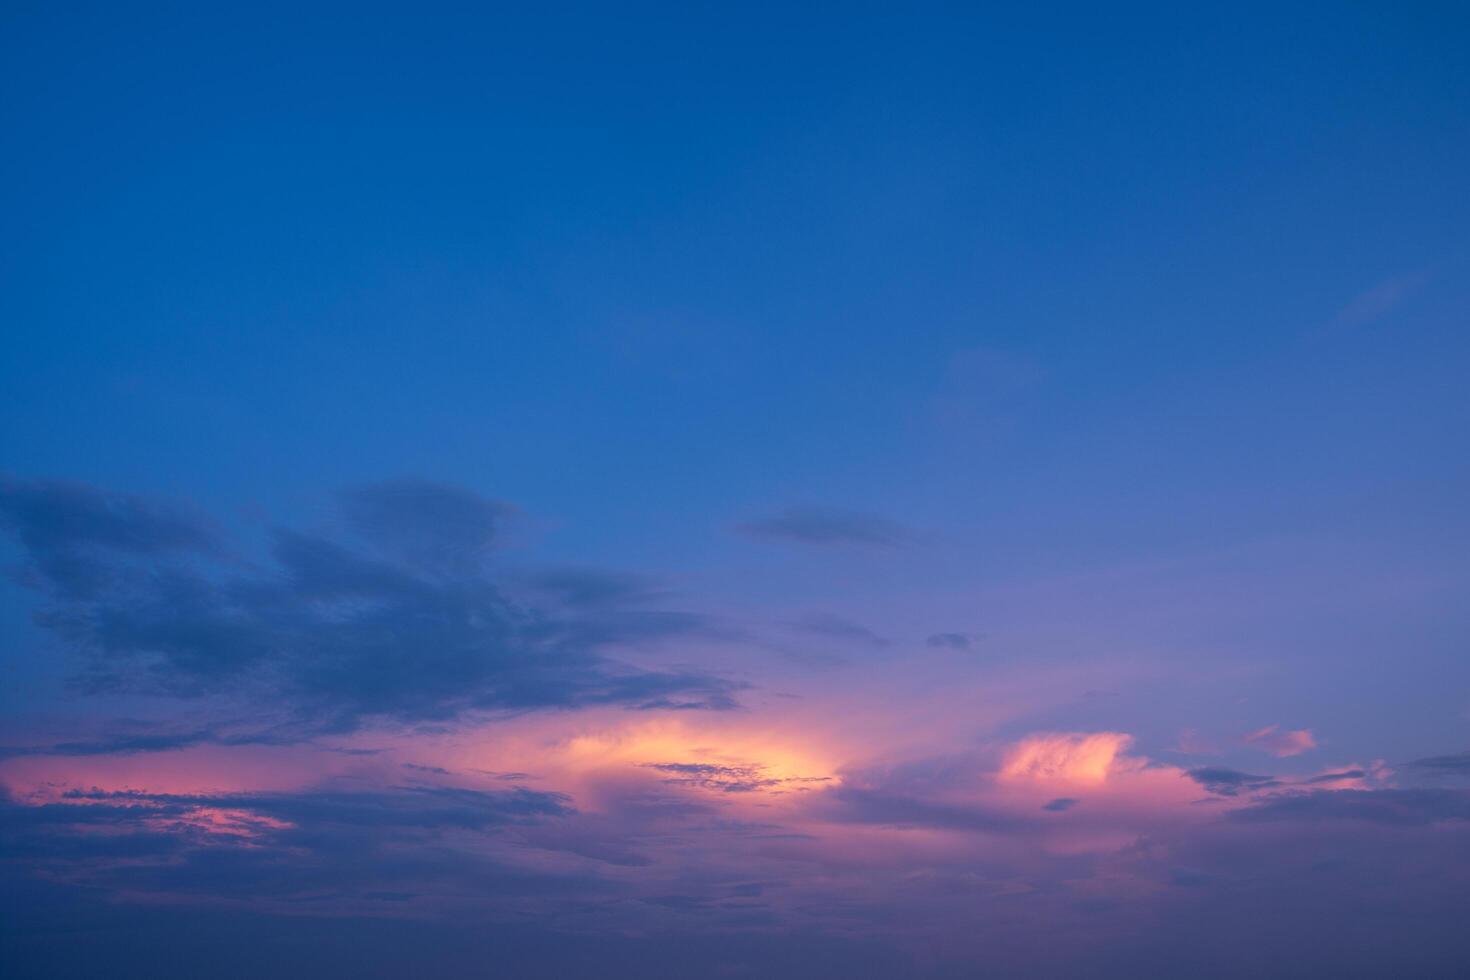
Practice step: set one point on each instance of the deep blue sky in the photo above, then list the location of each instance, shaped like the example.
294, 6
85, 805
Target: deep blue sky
730, 256
1142, 330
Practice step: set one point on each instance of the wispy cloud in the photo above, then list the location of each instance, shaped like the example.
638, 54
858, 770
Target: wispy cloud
829, 526
950, 641
841, 630
1383, 298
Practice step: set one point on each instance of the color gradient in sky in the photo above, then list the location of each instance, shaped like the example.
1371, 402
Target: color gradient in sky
775, 491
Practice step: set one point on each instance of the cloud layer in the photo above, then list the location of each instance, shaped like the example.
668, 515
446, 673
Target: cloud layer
375, 722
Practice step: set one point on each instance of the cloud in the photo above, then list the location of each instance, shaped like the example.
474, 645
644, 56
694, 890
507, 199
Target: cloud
1068, 757
726, 779
1335, 777
402, 624
424, 524
328, 847
77, 537
1282, 744
837, 628
1445, 765
929, 853
1394, 807
950, 641
590, 586
826, 526
878, 806
1229, 782
1384, 297
135, 743
984, 391
1190, 742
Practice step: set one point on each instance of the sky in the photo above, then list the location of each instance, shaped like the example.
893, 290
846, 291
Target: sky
785, 491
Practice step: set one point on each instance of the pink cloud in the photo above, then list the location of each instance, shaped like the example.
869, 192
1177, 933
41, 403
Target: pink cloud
1281, 743
1068, 757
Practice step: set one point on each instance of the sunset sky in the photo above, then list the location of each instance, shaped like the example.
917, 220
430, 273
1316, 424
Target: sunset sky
782, 491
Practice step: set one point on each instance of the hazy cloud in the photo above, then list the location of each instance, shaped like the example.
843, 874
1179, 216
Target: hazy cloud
1382, 298
1282, 744
827, 526
839, 629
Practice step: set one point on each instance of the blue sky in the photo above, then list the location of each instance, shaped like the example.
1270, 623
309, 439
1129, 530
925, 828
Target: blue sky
1126, 345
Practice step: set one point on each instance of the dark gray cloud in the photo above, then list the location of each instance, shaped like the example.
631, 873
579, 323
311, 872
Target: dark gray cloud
1393, 807
1060, 804
950, 641
1457, 764
77, 537
404, 624
135, 743
1230, 782
827, 526
424, 524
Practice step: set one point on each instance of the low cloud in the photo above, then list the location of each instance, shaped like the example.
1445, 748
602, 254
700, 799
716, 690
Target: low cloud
330, 847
